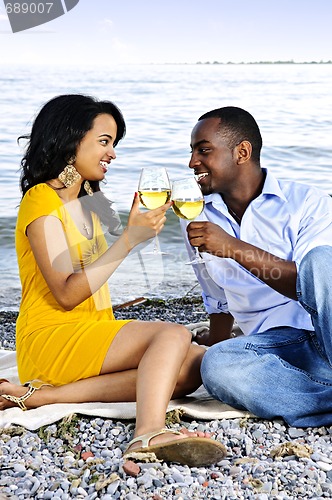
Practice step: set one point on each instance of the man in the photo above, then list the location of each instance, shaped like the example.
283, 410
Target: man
267, 253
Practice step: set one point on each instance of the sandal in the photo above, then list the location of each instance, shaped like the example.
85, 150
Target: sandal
192, 451
33, 386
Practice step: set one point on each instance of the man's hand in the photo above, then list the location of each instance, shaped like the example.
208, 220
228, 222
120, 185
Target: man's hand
210, 238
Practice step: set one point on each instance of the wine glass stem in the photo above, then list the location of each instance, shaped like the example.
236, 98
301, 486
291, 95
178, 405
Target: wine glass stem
156, 248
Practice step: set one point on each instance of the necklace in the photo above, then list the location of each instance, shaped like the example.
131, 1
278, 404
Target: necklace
234, 215
86, 228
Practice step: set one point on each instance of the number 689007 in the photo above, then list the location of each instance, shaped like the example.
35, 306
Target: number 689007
29, 8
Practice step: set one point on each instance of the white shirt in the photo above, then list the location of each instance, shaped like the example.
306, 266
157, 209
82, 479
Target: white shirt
287, 220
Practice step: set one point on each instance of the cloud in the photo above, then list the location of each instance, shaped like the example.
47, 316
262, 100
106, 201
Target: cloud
118, 44
106, 26
108, 22
3, 17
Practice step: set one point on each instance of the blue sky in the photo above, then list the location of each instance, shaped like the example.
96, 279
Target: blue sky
107, 32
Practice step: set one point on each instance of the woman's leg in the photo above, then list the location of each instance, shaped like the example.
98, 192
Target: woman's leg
146, 362
158, 351
120, 385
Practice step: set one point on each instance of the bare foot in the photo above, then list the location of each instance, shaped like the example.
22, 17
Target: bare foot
195, 433
171, 436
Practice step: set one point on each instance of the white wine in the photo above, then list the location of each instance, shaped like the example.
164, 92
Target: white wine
154, 199
187, 209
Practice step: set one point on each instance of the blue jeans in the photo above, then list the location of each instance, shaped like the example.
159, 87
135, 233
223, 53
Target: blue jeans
282, 372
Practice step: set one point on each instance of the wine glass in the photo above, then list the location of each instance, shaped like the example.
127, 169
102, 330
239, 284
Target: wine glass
154, 190
188, 203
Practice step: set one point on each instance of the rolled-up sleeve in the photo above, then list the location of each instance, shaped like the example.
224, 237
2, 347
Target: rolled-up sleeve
315, 226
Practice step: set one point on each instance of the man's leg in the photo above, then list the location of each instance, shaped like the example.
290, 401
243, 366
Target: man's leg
277, 373
314, 290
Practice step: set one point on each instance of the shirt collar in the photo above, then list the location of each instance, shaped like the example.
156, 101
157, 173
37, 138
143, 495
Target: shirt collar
271, 186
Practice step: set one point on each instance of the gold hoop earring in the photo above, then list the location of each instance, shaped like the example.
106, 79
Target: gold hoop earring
69, 175
88, 188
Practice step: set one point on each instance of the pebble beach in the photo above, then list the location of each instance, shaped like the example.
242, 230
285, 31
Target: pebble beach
81, 457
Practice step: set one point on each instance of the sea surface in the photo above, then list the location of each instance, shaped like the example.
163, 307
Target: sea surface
292, 104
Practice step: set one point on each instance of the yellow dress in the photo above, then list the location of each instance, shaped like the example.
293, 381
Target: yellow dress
52, 344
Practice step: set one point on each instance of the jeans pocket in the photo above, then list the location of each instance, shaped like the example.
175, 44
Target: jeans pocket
278, 340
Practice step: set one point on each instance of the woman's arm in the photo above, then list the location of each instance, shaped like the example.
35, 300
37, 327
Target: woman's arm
50, 249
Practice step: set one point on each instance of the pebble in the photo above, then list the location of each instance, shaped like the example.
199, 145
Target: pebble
91, 466
324, 466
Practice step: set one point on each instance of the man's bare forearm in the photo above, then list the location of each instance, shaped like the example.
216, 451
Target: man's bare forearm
278, 273
220, 327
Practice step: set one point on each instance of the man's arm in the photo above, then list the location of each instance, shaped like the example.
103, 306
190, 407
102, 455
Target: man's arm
220, 329
278, 273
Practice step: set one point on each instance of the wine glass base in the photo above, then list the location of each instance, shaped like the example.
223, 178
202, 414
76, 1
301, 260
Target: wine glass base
155, 253
198, 260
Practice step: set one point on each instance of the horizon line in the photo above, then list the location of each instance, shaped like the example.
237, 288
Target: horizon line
199, 63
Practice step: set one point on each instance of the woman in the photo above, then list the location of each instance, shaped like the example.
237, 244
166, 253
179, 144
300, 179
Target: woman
67, 336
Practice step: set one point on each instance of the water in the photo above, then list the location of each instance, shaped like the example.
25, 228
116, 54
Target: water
161, 103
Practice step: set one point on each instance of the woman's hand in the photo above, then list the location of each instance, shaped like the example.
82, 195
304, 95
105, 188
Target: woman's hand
145, 225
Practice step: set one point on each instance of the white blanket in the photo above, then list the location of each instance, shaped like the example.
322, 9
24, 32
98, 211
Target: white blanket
198, 406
